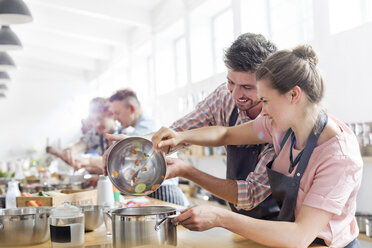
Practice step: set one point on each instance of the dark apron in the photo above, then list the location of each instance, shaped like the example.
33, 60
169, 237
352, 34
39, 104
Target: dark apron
240, 162
285, 189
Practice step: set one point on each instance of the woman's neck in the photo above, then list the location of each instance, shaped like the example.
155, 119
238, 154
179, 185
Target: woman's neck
303, 125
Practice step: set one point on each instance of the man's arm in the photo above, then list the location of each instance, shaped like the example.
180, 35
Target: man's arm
223, 188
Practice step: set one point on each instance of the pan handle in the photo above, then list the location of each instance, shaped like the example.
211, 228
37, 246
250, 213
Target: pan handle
157, 225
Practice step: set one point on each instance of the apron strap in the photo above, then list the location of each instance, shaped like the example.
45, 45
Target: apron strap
311, 143
233, 117
285, 138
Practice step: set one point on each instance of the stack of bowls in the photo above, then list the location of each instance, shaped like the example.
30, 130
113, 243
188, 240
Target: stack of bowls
93, 215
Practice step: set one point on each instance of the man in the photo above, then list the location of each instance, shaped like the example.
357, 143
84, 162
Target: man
234, 103
101, 121
127, 110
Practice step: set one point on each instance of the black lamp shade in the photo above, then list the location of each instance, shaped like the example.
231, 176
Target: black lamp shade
4, 77
14, 12
9, 40
6, 62
2, 95
3, 87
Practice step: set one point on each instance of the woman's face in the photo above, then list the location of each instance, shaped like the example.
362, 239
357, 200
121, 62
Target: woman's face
276, 106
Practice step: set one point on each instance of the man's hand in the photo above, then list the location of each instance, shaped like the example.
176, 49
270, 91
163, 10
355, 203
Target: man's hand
165, 139
176, 167
112, 138
68, 157
93, 165
200, 218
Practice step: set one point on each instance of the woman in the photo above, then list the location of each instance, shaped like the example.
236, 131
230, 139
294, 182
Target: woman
316, 173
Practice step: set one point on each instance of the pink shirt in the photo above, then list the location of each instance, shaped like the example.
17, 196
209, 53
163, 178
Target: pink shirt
331, 179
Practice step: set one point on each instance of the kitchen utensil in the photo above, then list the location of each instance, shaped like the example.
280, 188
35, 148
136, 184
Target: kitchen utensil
135, 175
138, 226
66, 226
127, 157
93, 216
23, 226
360, 218
368, 224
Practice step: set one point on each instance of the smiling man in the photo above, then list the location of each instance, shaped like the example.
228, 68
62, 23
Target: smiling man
234, 103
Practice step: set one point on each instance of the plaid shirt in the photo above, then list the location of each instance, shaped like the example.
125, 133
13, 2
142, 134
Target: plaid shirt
215, 110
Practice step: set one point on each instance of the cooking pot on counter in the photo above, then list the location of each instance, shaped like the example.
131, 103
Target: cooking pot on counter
24, 226
137, 226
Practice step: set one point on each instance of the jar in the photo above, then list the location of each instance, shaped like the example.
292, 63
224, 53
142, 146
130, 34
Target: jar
12, 194
66, 226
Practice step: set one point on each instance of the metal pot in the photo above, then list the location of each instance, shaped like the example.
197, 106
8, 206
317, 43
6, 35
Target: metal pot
138, 226
30, 224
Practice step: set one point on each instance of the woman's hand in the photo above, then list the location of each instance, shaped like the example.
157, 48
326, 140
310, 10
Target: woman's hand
176, 167
200, 218
165, 139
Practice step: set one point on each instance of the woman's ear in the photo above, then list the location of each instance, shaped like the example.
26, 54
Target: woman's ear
295, 94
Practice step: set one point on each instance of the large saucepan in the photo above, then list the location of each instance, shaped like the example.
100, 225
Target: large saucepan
139, 226
24, 226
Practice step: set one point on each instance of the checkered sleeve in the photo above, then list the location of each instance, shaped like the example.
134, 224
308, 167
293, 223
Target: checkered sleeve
256, 187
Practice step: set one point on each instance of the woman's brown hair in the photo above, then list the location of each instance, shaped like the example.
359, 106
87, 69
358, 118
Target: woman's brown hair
288, 68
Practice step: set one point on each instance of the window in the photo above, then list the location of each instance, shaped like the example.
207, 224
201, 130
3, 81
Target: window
164, 58
180, 61
223, 36
347, 14
291, 22
254, 17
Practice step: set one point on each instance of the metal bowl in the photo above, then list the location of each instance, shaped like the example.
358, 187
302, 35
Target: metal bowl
31, 224
93, 216
131, 155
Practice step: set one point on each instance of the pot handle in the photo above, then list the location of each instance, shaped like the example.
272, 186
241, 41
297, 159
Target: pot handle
157, 225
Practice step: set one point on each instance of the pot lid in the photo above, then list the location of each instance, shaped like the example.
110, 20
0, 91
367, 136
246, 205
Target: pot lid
66, 210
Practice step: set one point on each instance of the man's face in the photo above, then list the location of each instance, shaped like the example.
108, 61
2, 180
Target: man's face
121, 113
242, 86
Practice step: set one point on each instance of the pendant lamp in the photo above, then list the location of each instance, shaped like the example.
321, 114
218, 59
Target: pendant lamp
14, 12
4, 77
9, 40
3, 87
6, 62
2, 95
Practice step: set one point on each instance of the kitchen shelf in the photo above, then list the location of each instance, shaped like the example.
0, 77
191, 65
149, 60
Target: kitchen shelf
367, 159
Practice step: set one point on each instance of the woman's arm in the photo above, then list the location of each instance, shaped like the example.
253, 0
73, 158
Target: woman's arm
300, 233
207, 136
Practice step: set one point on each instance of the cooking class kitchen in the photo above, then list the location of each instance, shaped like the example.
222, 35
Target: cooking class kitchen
185, 123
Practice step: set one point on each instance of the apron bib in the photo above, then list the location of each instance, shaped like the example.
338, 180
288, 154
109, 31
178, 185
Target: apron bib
240, 162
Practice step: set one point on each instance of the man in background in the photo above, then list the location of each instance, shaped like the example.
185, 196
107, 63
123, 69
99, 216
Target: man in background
126, 109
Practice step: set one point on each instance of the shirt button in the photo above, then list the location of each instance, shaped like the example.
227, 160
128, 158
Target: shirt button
298, 174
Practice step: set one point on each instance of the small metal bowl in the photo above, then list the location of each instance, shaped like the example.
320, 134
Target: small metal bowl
127, 157
93, 216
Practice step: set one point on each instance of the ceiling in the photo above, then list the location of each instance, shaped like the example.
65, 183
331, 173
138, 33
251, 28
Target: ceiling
67, 46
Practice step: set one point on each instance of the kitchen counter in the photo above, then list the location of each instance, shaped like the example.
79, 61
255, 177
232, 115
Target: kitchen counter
216, 237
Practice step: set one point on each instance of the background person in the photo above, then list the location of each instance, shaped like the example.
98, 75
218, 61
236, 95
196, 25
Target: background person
126, 108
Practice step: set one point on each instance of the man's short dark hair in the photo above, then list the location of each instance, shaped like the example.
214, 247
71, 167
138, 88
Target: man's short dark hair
247, 52
126, 95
